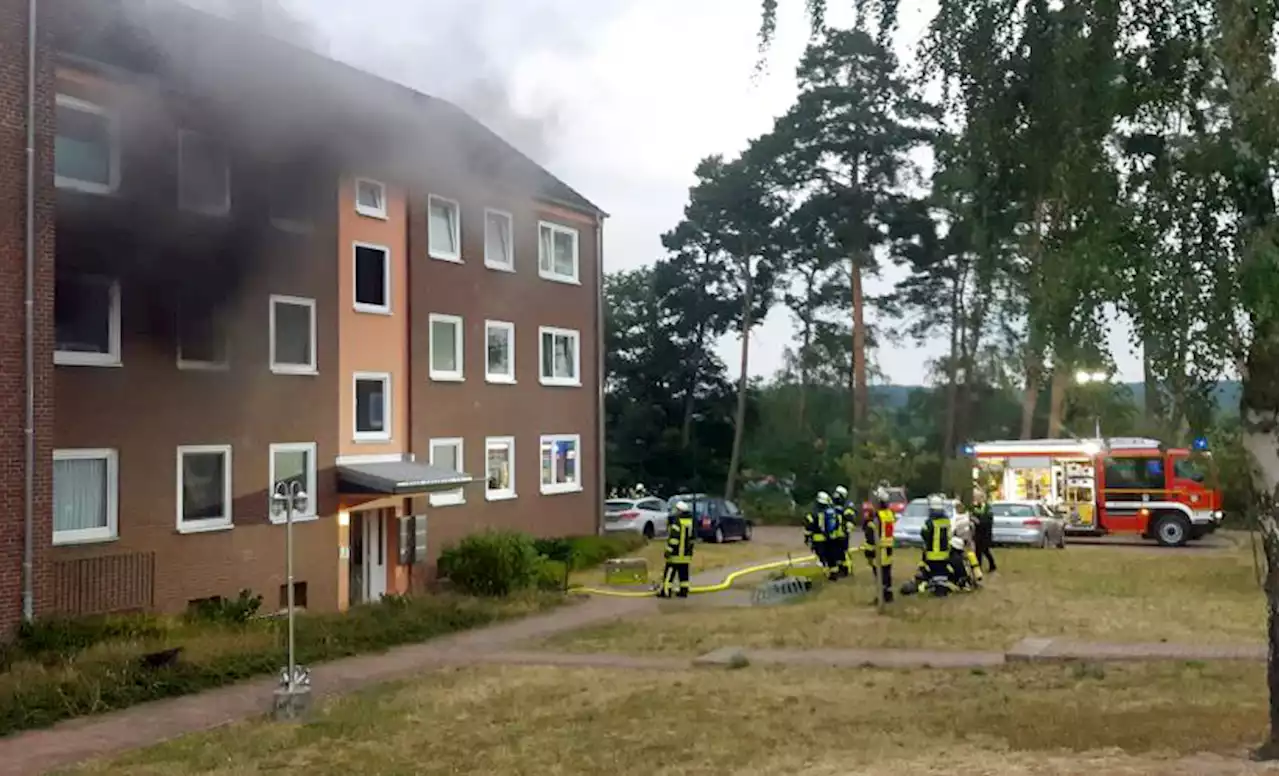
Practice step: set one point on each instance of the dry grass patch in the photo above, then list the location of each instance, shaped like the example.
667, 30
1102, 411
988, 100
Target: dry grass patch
1094, 593
1134, 719
705, 557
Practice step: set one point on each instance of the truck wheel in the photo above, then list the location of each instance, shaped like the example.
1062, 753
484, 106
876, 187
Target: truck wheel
1172, 530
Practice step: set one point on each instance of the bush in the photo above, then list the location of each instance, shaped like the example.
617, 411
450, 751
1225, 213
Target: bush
771, 507
236, 611
582, 552
552, 574
492, 563
111, 675
63, 637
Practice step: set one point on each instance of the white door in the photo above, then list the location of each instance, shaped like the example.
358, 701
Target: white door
375, 555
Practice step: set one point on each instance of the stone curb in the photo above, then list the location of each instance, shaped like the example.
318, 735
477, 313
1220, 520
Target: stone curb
1044, 650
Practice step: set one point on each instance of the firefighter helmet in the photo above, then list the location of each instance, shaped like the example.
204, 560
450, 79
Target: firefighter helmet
682, 508
842, 492
936, 506
881, 495
824, 498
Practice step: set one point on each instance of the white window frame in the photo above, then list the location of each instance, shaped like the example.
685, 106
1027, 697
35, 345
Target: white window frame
456, 256
510, 329
111, 531
446, 375
550, 273
113, 140
507, 263
214, 523
112, 356
203, 366
365, 210
550, 489
576, 382
291, 369
371, 436
364, 307
491, 443
292, 447
457, 496
219, 210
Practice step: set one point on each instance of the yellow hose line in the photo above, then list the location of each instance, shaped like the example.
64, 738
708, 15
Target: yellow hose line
724, 584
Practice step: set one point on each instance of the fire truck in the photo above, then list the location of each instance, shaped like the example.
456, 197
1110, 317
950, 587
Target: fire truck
1126, 485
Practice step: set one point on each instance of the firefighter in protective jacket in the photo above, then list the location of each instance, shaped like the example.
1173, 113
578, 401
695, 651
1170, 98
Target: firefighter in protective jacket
936, 537
822, 533
679, 552
877, 532
848, 523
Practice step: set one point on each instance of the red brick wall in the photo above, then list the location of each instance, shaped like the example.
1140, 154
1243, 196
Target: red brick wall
13, 97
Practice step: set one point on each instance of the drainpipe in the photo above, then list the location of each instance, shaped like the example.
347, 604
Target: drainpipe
600, 477
29, 302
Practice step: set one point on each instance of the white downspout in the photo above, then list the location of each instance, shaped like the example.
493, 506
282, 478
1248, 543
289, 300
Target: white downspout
600, 372
29, 302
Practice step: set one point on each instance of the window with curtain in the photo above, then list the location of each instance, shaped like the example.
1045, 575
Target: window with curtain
83, 495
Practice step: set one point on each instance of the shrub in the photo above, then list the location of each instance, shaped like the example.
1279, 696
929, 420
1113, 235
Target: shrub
62, 637
235, 611
588, 551
492, 563
552, 574
770, 508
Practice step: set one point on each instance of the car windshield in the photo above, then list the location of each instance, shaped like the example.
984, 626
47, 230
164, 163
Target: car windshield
619, 504
920, 508
1013, 510
897, 495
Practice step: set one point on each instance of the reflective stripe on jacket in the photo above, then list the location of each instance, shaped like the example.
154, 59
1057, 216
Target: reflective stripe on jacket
680, 540
936, 535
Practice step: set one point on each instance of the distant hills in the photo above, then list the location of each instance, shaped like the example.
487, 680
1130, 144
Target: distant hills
1226, 395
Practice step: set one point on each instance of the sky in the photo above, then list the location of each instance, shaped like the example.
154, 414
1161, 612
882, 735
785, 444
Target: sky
620, 99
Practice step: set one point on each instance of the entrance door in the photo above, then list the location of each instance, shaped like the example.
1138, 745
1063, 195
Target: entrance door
368, 565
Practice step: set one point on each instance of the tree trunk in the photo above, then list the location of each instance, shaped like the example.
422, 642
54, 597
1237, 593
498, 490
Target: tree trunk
1030, 396
690, 389
1152, 402
740, 414
1057, 397
859, 347
806, 343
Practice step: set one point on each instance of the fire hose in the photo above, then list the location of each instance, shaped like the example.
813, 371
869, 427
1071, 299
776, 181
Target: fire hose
724, 584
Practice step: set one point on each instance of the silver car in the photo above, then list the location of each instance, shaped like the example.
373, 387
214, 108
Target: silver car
1027, 523
906, 530
647, 516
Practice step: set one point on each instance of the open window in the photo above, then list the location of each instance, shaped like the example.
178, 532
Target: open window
372, 283
498, 251
371, 198
444, 229
86, 313
204, 175
202, 338
500, 463
500, 352
557, 252
560, 465
293, 335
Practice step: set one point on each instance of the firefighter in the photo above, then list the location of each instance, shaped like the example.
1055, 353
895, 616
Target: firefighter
983, 523
819, 534
936, 537
877, 531
679, 551
848, 522
964, 565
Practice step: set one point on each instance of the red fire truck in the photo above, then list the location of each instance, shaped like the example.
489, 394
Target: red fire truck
1128, 485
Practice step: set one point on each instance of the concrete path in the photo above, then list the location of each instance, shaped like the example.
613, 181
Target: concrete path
1039, 649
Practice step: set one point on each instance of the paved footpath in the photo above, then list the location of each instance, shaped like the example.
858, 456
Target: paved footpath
36, 751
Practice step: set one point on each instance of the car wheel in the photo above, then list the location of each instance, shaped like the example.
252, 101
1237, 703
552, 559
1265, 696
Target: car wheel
1172, 530
648, 530
718, 537
746, 532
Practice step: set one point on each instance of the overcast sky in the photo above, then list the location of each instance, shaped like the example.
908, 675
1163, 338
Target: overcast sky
620, 99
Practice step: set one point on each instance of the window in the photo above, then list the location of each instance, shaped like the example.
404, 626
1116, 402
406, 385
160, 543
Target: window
557, 252
204, 177
444, 236
447, 454
651, 505
372, 406
294, 190
371, 198
293, 335
86, 151
500, 352
293, 462
559, 455
299, 595
558, 354
499, 468
202, 341
86, 313
204, 487
1129, 476
498, 252
85, 506
372, 278
446, 347
1187, 469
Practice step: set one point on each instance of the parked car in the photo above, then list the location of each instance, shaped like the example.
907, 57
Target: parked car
906, 531
714, 518
1028, 523
897, 500
646, 516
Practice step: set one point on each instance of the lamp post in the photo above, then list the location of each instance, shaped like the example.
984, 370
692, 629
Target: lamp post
1090, 378
294, 692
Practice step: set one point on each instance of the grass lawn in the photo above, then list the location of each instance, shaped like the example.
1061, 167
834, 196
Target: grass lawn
705, 556
1132, 719
1090, 593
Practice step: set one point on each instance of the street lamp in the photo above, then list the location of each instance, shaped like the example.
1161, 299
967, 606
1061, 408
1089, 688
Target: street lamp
294, 692
1087, 378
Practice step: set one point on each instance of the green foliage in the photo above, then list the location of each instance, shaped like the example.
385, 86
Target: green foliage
770, 507
58, 682
582, 552
552, 575
491, 563
234, 611
63, 637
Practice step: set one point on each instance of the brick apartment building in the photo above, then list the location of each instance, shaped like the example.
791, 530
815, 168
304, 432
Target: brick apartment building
253, 264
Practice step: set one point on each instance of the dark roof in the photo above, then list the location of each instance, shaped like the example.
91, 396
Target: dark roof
250, 73
399, 478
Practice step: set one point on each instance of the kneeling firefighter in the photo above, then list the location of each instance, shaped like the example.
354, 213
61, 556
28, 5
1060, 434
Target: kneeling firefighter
964, 565
936, 537
877, 533
679, 552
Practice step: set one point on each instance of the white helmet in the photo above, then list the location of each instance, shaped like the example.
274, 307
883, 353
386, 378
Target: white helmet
957, 543
936, 504
682, 508
824, 498
842, 491
881, 494
639, 487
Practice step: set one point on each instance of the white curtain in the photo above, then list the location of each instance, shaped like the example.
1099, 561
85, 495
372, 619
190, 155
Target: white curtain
79, 494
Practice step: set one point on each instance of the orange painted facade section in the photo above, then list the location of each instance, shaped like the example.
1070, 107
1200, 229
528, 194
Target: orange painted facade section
373, 342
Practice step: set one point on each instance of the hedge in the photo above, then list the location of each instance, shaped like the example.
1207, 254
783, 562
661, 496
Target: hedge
59, 670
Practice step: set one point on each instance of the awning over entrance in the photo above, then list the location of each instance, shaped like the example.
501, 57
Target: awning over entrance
397, 478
